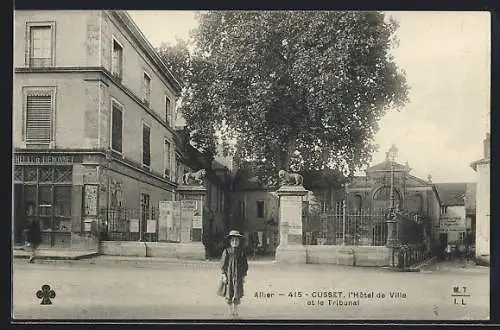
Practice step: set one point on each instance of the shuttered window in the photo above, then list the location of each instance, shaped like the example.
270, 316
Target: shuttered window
146, 155
38, 119
116, 129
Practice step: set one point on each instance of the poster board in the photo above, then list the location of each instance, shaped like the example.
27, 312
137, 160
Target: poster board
151, 226
134, 225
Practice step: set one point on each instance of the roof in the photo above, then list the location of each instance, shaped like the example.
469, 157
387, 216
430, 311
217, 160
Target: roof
386, 166
455, 193
479, 162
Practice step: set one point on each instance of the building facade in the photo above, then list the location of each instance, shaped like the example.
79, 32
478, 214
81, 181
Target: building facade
337, 211
482, 167
457, 219
93, 112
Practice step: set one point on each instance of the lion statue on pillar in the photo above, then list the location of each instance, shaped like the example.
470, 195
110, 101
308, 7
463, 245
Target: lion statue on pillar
293, 179
196, 177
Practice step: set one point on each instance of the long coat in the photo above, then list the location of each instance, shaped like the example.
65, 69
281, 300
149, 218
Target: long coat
33, 234
234, 265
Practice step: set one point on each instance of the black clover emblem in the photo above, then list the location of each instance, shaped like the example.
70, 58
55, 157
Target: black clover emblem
46, 294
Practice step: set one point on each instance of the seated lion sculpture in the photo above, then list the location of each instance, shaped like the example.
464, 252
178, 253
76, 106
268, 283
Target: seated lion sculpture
290, 178
196, 177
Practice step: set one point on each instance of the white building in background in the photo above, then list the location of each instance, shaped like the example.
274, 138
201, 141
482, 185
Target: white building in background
482, 167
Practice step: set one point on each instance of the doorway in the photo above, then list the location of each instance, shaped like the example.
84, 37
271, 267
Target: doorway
19, 223
443, 242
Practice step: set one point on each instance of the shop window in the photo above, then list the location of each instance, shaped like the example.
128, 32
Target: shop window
62, 208
18, 173
45, 174
30, 173
30, 200
63, 174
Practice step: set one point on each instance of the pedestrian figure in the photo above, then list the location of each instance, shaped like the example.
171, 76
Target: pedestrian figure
33, 238
234, 266
448, 252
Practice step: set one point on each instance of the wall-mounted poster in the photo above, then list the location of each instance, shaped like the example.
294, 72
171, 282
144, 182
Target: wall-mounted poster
134, 225
151, 226
198, 215
90, 200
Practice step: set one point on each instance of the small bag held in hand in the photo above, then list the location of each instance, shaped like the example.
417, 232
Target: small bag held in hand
221, 288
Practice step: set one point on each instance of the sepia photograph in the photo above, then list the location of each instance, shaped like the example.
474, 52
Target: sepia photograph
250, 166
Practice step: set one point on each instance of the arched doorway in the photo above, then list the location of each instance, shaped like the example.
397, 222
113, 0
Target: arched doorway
382, 198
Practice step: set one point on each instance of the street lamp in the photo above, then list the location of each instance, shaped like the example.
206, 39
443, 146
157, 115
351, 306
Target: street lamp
391, 221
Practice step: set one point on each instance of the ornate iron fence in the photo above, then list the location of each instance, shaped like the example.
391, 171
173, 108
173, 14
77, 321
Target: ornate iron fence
337, 227
130, 224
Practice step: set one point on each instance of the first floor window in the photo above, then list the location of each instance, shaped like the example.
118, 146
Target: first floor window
166, 164
39, 111
260, 209
116, 127
146, 152
242, 209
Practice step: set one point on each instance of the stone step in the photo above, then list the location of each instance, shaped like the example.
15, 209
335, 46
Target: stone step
55, 254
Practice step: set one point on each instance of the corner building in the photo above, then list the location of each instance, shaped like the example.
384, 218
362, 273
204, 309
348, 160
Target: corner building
93, 124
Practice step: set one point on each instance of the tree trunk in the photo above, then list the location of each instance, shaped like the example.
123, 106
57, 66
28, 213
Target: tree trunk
286, 156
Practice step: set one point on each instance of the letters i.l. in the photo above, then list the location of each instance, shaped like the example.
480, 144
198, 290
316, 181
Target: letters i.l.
458, 302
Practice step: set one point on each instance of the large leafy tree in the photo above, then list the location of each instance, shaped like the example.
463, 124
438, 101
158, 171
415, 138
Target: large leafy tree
293, 90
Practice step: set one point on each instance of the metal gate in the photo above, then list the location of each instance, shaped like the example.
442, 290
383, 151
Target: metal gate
338, 227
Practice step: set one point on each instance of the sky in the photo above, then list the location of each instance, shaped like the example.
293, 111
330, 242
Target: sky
446, 57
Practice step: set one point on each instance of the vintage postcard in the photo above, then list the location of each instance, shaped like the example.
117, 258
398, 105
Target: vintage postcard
251, 165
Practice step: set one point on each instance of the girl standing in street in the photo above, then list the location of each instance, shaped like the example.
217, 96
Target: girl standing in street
33, 238
234, 266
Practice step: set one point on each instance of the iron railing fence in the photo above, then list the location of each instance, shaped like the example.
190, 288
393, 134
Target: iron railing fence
130, 224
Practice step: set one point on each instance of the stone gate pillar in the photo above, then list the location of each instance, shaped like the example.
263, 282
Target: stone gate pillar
290, 248
192, 199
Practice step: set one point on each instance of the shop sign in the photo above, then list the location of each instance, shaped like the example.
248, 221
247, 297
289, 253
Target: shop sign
30, 159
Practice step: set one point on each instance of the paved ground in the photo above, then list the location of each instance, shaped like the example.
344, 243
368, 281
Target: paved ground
104, 288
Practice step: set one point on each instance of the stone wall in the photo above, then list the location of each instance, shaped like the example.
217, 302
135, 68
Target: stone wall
153, 249
376, 256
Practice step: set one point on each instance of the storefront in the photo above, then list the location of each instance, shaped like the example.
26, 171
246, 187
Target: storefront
43, 190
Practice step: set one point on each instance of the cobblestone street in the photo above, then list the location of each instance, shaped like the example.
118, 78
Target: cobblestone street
99, 289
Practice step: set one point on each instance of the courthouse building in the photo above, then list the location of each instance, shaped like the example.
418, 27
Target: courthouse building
93, 124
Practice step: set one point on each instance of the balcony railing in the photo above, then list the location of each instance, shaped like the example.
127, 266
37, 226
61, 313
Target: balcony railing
42, 62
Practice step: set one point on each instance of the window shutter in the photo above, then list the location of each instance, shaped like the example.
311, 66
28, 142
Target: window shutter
39, 119
116, 134
146, 160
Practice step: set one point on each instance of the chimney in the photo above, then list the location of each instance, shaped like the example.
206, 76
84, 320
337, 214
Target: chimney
429, 178
486, 144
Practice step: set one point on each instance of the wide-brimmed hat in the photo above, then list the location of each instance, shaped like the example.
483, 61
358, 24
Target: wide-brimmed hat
234, 233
